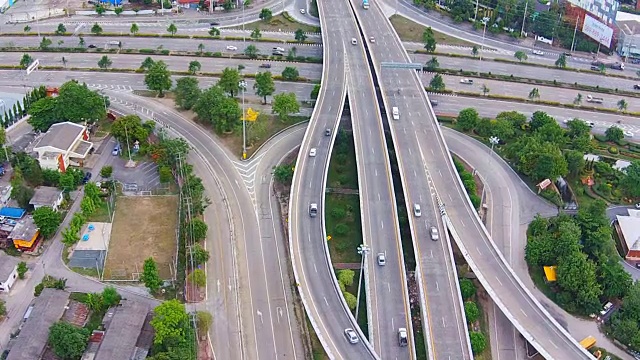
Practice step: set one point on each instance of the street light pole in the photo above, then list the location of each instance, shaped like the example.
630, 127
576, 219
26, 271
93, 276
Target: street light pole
363, 250
484, 30
243, 87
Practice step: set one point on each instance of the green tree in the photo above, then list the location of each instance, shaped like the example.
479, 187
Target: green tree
203, 321
315, 92
200, 255
520, 55
562, 61
100, 9
217, 109
134, 29
468, 119
346, 277
485, 89
27, 28
230, 81
467, 289
22, 269
147, 63
429, 40
96, 29
200, 48
47, 220
534, 94
251, 51
194, 67
471, 311
264, 85
150, 276
577, 276
300, 36
615, 281
614, 133
575, 162
198, 278
290, 73
578, 100
474, 51
131, 128
285, 104
432, 64
61, 29
478, 342
265, 14
110, 296
106, 171
25, 61
170, 321
165, 174
64, 61
214, 32
255, 34
104, 62
68, 341
283, 173
187, 92
158, 78
3, 308
630, 184
350, 299
118, 10
172, 29
622, 105
80, 41
437, 83
45, 43
198, 229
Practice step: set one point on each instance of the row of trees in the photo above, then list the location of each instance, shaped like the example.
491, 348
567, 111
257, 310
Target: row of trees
472, 313
588, 267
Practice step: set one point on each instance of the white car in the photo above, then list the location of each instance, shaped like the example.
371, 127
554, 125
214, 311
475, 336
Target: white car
372, 39
351, 335
466, 81
382, 259
302, 11
416, 210
312, 152
354, 41
627, 133
232, 48
537, 52
434, 233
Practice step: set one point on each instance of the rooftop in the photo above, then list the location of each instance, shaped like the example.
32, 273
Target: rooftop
45, 195
61, 136
47, 309
82, 148
25, 229
125, 324
94, 236
630, 227
7, 265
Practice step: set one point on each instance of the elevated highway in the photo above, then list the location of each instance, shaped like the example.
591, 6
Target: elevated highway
420, 147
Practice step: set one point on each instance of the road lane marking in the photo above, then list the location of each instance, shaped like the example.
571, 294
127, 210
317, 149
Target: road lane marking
552, 343
379, 197
259, 313
381, 224
325, 301
373, 151
479, 252
443, 323
500, 282
437, 286
314, 267
309, 237
525, 314
415, 174
376, 171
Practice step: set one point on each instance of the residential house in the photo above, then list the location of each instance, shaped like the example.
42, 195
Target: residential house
32, 341
8, 272
63, 145
628, 228
25, 234
47, 196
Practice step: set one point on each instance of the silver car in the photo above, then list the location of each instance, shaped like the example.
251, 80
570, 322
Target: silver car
351, 335
416, 210
382, 259
434, 233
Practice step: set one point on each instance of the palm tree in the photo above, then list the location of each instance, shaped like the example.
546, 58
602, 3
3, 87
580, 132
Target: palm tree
578, 100
474, 51
64, 61
134, 29
172, 29
534, 94
201, 48
622, 105
485, 89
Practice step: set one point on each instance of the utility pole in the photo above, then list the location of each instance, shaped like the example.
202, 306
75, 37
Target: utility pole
243, 87
363, 250
484, 30
524, 17
575, 30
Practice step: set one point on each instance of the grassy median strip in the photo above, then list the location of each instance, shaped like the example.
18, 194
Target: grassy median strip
409, 30
282, 22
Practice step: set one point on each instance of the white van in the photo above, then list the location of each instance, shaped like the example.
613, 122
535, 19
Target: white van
396, 113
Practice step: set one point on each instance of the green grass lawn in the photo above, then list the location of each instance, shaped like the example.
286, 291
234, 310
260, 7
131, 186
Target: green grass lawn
343, 171
101, 214
343, 210
279, 23
410, 31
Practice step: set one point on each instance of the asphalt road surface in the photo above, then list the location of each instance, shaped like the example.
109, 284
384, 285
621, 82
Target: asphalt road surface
166, 43
527, 71
388, 300
268, 328
485, 257
313, 272
547, 93
445, 319
174, 63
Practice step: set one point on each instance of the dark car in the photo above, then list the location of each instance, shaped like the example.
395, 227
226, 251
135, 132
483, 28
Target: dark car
91, 46
636, 87
86, 178
214, 23
265, 66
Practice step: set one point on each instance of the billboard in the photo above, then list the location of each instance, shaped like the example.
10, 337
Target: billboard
597, 31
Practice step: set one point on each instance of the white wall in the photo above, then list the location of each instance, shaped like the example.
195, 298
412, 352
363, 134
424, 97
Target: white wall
7, 284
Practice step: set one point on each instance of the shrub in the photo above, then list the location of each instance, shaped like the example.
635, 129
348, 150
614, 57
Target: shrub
338, 213
341, 229
467, 289
38, 290
613, 150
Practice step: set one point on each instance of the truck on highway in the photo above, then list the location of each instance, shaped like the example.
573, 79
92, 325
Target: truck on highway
365, 4
597, 100
588, 342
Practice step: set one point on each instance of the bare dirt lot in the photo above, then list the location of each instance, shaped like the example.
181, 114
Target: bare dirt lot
143, 227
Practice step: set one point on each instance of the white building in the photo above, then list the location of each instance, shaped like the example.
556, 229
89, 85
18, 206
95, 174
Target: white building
8, 272
47, 196
628, 34
63, 145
